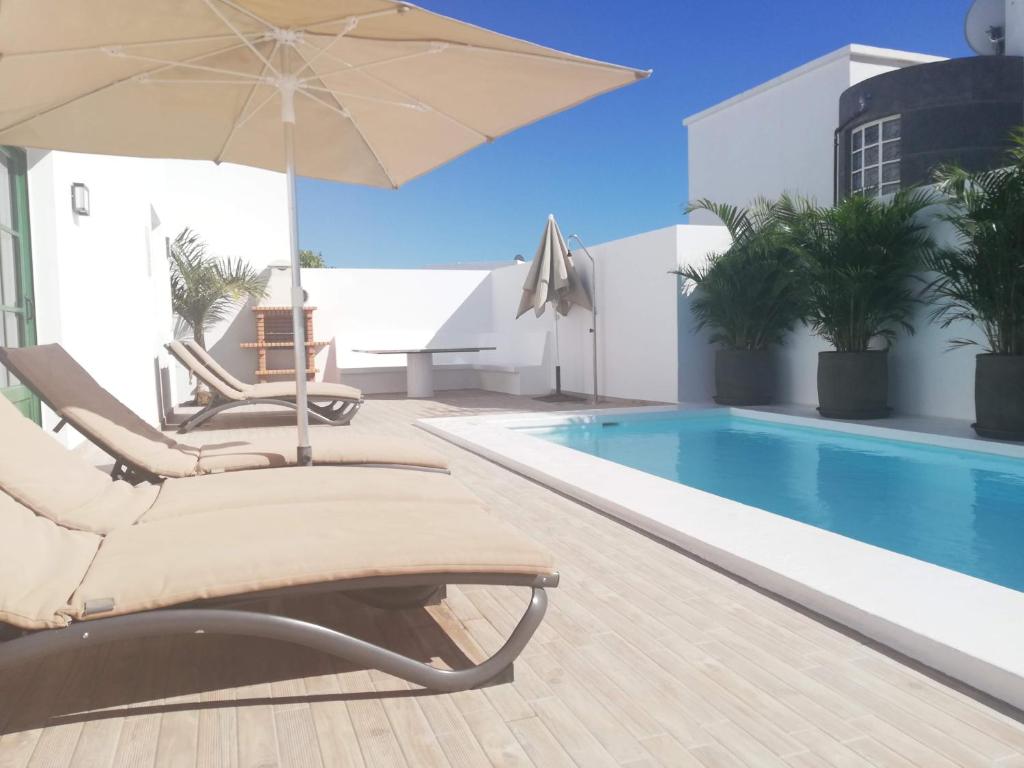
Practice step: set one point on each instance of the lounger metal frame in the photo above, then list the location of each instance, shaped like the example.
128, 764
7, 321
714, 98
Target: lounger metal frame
337, 413
213, 620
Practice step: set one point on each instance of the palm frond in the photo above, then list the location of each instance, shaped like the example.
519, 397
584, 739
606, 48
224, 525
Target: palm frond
204, 288
749, 296
861, 257
979, 278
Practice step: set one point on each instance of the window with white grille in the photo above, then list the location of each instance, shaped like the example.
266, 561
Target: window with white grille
875, 157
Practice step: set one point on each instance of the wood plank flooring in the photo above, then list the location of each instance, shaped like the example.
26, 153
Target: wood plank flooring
647, 658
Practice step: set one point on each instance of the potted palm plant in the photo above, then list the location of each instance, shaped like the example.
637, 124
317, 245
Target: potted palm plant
204, 288
860, 258
749, 296
980, 280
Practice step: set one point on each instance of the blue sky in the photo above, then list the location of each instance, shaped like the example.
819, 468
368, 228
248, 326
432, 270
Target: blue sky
616, 165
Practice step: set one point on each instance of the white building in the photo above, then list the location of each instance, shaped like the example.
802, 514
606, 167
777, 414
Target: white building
780, 136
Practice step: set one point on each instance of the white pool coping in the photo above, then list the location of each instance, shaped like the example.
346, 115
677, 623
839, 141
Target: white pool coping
967, 628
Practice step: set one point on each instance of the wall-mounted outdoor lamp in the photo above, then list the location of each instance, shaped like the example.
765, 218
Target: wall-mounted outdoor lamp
80, 198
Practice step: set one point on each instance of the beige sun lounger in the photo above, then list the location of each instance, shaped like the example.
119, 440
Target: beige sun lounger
333, 404
85, 559
142, 452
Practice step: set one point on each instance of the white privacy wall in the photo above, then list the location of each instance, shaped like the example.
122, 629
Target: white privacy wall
778, 137
101, 281
646, 351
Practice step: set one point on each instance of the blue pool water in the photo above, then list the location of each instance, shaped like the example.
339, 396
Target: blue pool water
963, 510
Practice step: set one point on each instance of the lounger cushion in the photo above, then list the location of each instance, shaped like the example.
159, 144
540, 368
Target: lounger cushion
319, 390
58, 484
277, 449
41, 565
73, 394
349, 487
239, 551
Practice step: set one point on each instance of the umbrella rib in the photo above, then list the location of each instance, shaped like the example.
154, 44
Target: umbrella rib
404, 104
144, 44
243, 77
339, 109
241, 118
241, 36
244, 11
577, 60
405, 94
114, 84
351, 22
350, 117
359, 67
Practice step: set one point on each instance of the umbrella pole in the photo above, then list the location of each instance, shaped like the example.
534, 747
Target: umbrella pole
304, 452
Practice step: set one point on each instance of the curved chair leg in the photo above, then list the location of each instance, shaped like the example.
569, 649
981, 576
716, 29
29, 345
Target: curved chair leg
317, 414
338, 415
208, 413
187, 621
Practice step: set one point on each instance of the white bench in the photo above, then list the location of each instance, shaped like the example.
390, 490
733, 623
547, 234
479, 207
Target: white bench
520, 365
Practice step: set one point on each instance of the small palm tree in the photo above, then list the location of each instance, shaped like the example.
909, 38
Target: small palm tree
980, 279
204, 288
860, 259
751, 295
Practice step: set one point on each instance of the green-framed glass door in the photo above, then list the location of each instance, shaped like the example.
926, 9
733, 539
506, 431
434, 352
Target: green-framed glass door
17, 303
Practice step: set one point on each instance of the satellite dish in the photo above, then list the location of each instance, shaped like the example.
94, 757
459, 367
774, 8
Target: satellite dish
985, 27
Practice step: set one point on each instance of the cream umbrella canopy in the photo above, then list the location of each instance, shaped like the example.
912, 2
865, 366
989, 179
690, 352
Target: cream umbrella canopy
371, 92
553, 280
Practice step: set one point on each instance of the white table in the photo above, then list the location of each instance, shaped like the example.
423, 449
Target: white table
419, 368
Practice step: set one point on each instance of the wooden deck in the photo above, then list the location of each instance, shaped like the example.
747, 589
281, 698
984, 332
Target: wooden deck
647, 657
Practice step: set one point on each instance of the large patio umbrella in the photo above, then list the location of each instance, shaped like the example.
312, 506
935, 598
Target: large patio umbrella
371, 92
553, 280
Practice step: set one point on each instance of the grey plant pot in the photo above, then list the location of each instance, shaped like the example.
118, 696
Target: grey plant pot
744, 377
999, 396
853, 385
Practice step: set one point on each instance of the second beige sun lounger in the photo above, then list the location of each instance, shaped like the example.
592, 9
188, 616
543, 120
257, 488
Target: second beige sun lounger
333, 404
142, 452
86, 560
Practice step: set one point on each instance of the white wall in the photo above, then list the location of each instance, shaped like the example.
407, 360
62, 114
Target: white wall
397, 309
696, 354
640, 316
644, 346
779, 136
101, 281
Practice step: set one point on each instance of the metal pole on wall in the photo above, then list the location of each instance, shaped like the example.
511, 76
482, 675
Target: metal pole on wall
593, 305
558, 358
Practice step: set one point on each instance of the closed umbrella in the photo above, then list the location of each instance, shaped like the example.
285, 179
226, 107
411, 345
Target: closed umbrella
553, 280
371, 92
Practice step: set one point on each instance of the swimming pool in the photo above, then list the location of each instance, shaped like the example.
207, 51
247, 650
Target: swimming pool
959, 509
